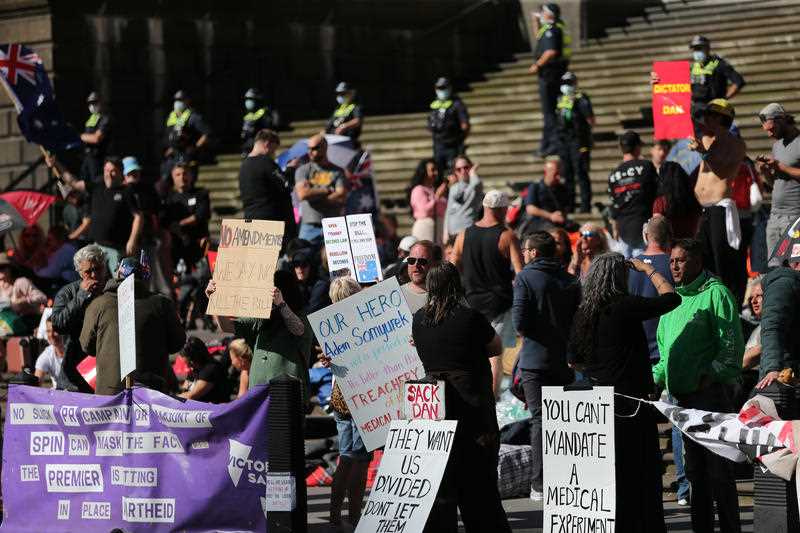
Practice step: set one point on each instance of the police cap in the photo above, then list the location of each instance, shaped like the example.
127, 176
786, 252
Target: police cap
553, 9
253, 94
181, 95
442, 83
699, 41
343, 87
93, 97
569, 77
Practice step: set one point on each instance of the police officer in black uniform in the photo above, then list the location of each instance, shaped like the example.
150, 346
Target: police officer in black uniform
257, 118
575, 122
186, 135
552, 59
448, 122
96, 139
347, 118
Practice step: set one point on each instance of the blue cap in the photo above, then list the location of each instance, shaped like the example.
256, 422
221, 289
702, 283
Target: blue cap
129, 164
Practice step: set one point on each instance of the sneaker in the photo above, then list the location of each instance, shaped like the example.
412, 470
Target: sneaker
683, 502
537, 495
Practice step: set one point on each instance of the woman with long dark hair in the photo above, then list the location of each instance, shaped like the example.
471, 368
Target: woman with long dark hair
609, 345
428, 201
455, 343
677, 202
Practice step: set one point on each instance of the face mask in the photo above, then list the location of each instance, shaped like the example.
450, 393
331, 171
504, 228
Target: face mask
699, 56
93, 108
442, 94
250, 104
179, 106
567, 90
340, 99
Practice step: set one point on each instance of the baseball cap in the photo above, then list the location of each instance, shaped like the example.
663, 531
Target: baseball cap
129, 164
343, 87
495, 199
407, 242
441, 83
720, 106
553, 9
788, 247
772, 111
93, 97
569, 77
699, 41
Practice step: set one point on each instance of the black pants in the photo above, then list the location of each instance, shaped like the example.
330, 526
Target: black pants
532, 383
548, 98
718, 256
444, 155
712, 477
575, 164
92, 168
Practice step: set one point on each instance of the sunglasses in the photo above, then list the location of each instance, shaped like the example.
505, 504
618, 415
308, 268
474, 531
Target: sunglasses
588, 234
421, 261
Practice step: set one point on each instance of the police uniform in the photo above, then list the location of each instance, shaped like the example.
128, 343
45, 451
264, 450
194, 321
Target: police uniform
444, 122
252, 122
575, 134
710, 79
345, 113
95, 154
182, 131
551, 36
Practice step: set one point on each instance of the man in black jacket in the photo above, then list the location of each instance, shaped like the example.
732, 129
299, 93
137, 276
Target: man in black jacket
545, 300
70, 306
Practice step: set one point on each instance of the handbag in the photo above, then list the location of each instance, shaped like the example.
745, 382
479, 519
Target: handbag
337, 401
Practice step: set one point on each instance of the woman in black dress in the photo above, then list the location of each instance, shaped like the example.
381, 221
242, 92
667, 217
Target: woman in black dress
455, 343
610, 345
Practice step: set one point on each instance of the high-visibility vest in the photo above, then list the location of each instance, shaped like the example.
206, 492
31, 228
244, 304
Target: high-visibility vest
93, 119
252, 116
344, 110
698, 69
441, 104
566, 103
566, 40
178, 120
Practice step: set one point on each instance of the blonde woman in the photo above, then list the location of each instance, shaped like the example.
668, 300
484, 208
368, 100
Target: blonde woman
241, 357
592, 242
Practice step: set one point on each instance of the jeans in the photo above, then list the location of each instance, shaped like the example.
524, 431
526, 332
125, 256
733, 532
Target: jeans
575, 164
677, 458
443, 156
549, 90
776, 228
532, 383
350, 443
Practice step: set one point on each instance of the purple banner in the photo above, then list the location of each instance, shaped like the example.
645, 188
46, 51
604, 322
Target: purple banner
138, 461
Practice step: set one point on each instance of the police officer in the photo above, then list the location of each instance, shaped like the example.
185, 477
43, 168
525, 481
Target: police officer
347, 118
448, 122
257, 118
186, 134
552, 58
96, 138
575, 123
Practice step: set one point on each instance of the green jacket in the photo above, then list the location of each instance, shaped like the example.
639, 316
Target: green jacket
701, 337
780, 320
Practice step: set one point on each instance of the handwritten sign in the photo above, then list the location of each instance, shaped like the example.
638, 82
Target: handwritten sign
367, 337
351, 248
126, 318
280, 492
578, 459
672, 100
423, 400
248, 255
408, 479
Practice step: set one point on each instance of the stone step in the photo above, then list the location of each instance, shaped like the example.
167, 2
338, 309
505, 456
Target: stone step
686, 11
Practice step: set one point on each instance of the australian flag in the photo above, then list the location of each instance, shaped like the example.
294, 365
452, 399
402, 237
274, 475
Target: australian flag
23, 75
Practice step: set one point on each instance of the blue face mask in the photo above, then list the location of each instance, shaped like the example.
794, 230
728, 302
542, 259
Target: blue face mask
567, 90
340, 99
442, 94
699, 56
250, 105
179, 106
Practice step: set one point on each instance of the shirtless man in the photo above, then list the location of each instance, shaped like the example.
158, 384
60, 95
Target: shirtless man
719, 232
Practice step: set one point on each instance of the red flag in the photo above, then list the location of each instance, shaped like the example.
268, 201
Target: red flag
88, 369
672, 100
29, 204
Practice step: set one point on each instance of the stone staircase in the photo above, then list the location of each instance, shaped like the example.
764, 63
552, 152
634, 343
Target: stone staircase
756, 36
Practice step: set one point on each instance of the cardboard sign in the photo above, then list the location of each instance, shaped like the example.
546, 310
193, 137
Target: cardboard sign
578, 459
367, 337
245, 266
423, 400
408, 479
281, 494
351, 248
126, 318
672, 100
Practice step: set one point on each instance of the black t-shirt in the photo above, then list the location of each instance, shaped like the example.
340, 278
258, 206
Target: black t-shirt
710, 79
457, 343
180, 205
147, 202
552, 38
632, 188
445, 120
551, 199
265, 194
111, 210
573, 118
214, 373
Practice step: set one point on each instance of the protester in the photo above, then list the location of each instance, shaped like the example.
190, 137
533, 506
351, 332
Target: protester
347, 118
208, 381
428, 201
547, 202
420, 260
281, 344
186, 135
545, 300
610, 346
398, 268
575, 123
96, 138
20, 301
321, 187
454, 343
782, 170
719, 233
632, 188
69, 308
592, 242
464, 196
256, 119
75, 217
752, 349
488, 255
241, 359
448, 122
51, 360
30, 253
312, 280
187, 210
158, 333
700, 344
563, 246
676, 199
59, 268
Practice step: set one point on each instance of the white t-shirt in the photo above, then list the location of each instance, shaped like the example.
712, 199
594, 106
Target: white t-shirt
415, 300
50, 363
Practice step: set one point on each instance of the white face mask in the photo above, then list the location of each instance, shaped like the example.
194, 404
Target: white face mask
179, 106
567, 90
699, 56
442, 94
94, 108
250, 105
340, 99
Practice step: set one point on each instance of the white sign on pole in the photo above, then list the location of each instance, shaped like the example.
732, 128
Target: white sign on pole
578, 459
367, 337
281, 494
408, 479
424, 401
350, 246
126, 311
